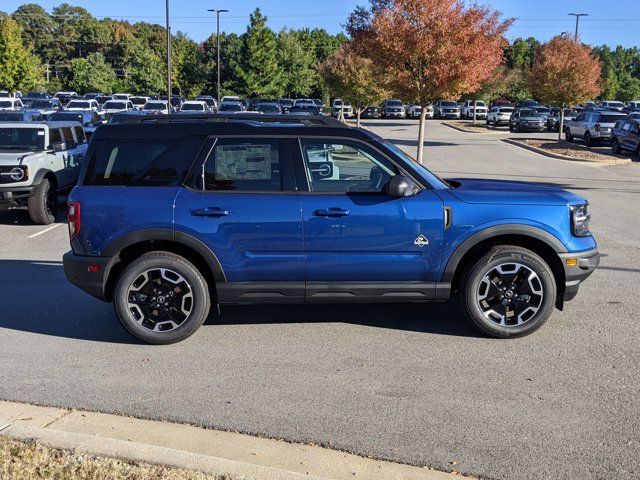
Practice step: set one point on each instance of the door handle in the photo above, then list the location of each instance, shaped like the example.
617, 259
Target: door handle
331, 212
210, 212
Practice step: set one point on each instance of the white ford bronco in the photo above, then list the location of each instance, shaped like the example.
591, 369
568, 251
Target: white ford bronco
38, 161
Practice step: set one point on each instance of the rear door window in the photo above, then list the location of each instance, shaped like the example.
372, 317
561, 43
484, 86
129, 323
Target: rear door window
144, 163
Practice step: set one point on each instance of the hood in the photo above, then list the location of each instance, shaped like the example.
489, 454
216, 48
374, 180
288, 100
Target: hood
14, 157
486, 191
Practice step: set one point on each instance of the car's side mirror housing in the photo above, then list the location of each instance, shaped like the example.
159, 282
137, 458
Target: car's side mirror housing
59, 146
402, 186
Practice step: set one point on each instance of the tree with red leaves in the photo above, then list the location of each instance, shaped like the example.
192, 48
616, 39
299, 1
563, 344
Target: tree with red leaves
565, 73
430, 49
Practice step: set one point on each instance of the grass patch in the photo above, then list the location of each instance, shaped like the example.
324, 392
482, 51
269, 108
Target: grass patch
32, 460
572, 150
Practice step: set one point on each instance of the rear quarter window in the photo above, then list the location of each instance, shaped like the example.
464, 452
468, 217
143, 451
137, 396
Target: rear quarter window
143, 163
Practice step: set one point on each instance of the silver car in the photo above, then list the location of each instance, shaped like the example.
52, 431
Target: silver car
592, 127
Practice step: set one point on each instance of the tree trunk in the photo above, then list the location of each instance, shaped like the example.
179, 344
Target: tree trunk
561, 126
341, 116
421, 125
475, 104
358, 112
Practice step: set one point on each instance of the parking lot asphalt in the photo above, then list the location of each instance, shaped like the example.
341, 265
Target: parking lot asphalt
411, 383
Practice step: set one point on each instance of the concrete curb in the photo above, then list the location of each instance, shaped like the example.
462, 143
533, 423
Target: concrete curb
464, 130
518, 143
241, 456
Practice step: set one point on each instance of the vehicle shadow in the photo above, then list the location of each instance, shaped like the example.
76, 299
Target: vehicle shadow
42, 301
21, 217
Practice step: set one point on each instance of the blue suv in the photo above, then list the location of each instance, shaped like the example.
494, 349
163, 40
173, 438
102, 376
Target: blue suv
172, 215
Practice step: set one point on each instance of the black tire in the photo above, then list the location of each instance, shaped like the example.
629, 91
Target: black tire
474, 275
43, 203
510, 127
196, 285
588, 141
568, 136
615, 146
518, 128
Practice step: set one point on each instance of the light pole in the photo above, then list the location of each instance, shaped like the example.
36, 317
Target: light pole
168, 60
578, 15
218, 12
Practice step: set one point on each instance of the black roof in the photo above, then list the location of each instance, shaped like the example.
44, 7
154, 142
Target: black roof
178, 126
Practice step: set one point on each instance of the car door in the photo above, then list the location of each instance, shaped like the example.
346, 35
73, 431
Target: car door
243, 206
357, 237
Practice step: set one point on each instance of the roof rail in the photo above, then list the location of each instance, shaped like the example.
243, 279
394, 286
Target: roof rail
291, 119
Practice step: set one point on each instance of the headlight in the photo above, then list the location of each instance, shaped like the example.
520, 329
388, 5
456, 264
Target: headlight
580, 219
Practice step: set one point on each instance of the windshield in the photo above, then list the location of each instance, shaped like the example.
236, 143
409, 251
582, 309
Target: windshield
116, 105
435, 181
41, 104
305, 109
286, 103
616, 104
120, 97
394, 103
528, 113
66, 117
75, 104
505, 110
15, 138
610, 118
138, 100
449, 104
230, 107
191, 107
268, 107
154, 106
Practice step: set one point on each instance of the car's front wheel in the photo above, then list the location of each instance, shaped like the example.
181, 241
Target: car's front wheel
615, 146
508, 292
161, 298
588, 141
568, 136
42, 204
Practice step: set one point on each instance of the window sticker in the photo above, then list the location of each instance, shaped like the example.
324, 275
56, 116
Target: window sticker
243, 162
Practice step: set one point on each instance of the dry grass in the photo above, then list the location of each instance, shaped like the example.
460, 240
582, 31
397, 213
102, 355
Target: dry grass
572, 150
31, 460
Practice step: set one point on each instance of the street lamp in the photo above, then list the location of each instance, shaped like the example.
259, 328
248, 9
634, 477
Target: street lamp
168, 60
218, 12
577, 15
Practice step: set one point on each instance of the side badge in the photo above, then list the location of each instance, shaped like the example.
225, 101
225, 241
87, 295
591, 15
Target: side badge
421, 241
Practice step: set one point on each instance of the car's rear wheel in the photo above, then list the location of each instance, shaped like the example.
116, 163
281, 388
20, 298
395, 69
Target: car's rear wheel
162, 298
568, 136
509, 292
42, 204
615, 146
588, 141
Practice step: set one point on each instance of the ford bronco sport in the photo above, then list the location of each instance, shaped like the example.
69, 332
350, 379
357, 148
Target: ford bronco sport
38, 160
175, 214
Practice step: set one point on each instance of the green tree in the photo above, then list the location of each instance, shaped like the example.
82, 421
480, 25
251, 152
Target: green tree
189, 73
20, 69
297, 64
38, 28
91, 74
144, 71
258, 72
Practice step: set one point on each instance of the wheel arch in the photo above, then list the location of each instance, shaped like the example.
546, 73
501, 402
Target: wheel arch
128, 248
43, 173
538, 241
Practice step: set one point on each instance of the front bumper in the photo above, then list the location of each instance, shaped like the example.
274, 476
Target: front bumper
394, 114
76, 268
14, 197
586, 264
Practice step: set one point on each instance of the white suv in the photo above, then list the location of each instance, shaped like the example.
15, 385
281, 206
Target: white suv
83, 105
37, 161
11, 103
466, 110
499, 116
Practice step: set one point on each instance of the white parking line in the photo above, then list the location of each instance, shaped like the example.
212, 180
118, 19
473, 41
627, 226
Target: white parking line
48, 229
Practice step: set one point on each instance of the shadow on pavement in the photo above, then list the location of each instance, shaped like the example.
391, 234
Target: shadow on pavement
39, 299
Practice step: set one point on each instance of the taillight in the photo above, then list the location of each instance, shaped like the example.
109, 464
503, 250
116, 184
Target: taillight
73, 217
597, 127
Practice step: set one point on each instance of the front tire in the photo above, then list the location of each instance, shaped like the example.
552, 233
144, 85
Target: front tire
42, 204
615, 146
509, 292
588, 141
568, 136
161, 298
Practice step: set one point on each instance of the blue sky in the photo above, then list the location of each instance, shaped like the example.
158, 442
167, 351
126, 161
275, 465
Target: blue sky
610, 22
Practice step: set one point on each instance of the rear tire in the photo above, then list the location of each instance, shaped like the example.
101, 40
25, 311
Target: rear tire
42, 204
588, 141
615, 146
508, 292
161, 298
568, 136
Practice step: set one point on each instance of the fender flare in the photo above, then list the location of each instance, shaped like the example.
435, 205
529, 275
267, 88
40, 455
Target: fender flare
40, 174
496, 231
167, 234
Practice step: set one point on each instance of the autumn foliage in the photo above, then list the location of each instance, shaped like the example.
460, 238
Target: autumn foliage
430, 49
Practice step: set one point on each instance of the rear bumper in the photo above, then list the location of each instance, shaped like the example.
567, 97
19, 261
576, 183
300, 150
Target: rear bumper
587, 262
76, 268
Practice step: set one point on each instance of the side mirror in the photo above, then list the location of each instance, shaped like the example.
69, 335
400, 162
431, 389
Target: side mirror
401, 186
59, 146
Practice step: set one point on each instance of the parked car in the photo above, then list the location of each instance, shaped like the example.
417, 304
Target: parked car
304, 110
177, 101
337, 106
501, 102
528, 103
372, 111
526, 119
499, 115
230, 98
122, 96
154, 107
230, 107
634, 116
269, 108
38, 94
83, 105
319, 103
632, 106
11, 103
66, 96
467, 109
39, 160
446, 109
139, 101
386, 230
285, 104
612, 106
553, 120
392, 108
102, 99
413, 111
46, 106
92, 96
543, 111
121, 117
195, 106
626, 136
209, 100
89, 119
21, 116
592, 127
115, 106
